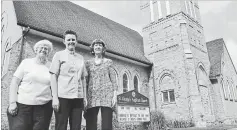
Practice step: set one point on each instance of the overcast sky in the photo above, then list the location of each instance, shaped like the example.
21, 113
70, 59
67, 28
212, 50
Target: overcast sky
219, 18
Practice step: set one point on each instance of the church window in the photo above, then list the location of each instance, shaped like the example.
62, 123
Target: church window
224, 90
167, 86
194, 11
233, 91
125, 82
159, 9
151, 11
135, 81
186, 6
168, 96
190, 7
229, 91
167, 7
116, 78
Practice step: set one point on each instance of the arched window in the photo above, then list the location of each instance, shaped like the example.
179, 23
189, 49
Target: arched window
125, 82
135, 82
167, 88
116, 76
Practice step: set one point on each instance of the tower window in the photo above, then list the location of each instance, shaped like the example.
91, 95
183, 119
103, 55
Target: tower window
167, 7
125, 82
168, 96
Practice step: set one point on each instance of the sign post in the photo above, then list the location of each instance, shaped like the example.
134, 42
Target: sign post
133, 107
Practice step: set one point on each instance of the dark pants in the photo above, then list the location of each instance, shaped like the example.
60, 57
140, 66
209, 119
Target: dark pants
31, 117
91, 118
69, 109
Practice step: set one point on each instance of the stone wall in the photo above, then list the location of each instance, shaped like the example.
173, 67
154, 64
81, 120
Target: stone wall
169, 44
163, 47
201, 60
228, 88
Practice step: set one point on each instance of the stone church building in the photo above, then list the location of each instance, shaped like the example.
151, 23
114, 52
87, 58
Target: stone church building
183, 76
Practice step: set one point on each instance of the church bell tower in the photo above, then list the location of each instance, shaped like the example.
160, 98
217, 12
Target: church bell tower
174, 41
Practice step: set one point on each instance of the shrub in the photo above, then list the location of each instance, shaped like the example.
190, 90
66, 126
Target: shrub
180, 123
159, 122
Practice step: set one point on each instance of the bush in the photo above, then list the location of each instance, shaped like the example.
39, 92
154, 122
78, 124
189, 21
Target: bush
180, 123
159, 122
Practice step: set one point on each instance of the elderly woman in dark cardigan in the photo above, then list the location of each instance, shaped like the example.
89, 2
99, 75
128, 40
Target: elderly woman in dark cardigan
101, 87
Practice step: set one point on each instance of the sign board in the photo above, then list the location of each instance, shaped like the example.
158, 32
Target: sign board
133, 107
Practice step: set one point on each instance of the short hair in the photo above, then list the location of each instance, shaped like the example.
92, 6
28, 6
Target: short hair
69, 32
44, 42
97, 41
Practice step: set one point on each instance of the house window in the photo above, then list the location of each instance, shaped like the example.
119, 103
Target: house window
168, 96
125, 82
135, 81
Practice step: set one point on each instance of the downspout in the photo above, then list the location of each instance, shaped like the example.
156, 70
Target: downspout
154, 85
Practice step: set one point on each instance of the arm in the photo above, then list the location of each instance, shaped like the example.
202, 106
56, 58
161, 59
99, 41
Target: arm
54, 85
14, 86
54, 70
13, 90
84, 78
112, 76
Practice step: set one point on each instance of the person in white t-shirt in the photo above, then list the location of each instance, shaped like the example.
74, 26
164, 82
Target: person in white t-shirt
30, 101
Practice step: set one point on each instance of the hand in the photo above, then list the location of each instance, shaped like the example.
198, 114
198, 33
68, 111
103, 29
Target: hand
12, 109
85, 102
55, 104
114, 100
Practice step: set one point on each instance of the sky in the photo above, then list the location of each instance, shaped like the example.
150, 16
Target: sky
218, 18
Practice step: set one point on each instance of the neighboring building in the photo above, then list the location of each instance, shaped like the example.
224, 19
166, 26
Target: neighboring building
224, 81
184, 77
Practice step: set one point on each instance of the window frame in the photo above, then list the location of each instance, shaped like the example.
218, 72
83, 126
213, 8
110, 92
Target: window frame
138, 87
127, 82
168, 92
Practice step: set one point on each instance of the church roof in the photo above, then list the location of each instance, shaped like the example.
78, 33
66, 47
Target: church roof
55, 17
215, 49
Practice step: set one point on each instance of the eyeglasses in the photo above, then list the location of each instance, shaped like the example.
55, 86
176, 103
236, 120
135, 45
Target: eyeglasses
43, 48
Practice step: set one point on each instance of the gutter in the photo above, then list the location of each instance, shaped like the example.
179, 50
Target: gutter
83, 43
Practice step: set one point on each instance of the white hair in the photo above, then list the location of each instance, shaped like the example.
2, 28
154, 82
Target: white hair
44, 42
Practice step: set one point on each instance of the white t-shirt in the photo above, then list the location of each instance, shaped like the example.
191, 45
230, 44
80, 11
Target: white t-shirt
34, 88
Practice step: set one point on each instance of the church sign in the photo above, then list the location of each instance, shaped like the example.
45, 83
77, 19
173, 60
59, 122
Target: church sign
133, 107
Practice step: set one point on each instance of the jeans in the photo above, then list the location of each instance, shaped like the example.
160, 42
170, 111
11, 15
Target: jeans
91, 118
31, 117
69, 109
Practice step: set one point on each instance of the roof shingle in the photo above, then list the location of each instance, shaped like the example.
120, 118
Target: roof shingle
57, 17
